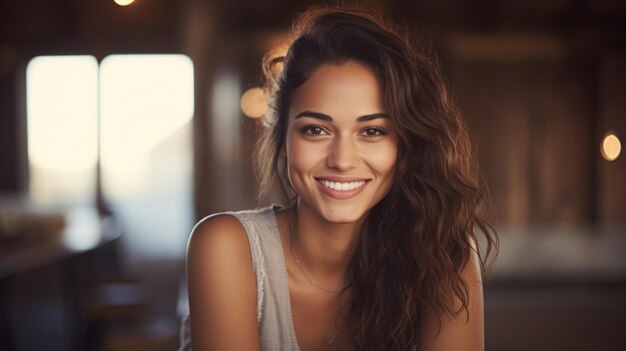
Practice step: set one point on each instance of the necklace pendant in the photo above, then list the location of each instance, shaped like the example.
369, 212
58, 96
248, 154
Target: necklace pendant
330, 337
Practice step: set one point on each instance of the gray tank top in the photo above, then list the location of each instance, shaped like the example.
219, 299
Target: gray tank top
273, 303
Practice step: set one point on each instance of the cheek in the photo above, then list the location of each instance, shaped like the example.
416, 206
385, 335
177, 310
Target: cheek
383, 158
303, 155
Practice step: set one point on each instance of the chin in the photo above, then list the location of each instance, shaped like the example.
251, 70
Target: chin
343, 214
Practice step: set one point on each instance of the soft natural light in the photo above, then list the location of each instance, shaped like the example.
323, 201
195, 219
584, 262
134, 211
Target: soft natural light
135, 111
61, 107
145, 100
146, 106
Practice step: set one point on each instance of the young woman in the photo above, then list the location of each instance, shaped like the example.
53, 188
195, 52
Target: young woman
374, 248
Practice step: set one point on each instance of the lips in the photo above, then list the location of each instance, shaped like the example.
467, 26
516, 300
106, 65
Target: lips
341, 188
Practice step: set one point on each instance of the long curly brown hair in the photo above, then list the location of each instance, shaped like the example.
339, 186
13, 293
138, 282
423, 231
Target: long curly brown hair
417, 240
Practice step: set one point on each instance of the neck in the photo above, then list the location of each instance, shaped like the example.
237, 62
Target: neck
325, 248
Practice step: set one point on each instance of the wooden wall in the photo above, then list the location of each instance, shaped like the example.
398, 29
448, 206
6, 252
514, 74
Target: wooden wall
531, 108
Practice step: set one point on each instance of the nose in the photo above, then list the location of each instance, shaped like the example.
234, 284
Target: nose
342, 154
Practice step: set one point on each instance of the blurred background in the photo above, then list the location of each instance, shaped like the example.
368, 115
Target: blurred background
122, 123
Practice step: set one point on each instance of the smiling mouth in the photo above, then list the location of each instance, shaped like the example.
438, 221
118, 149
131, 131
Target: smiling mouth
342, 186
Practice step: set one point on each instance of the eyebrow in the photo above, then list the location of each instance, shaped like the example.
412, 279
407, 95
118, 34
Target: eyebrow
325, 117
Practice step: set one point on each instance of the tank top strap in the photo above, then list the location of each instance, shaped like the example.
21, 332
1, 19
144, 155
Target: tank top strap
268, 260
257, 222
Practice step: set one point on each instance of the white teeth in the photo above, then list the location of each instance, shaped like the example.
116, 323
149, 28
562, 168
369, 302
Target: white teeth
342, 186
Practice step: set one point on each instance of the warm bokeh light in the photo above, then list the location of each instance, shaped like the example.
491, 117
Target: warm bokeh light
124, 2
254, 103
62, 130
146, 109
611, 147
145, 102
61, 107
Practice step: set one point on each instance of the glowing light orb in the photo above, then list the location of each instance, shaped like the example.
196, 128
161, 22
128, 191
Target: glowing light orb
611, 147
254, 103
124, 2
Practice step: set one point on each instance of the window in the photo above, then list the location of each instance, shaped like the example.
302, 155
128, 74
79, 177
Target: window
133, 112
147, 102
62, 107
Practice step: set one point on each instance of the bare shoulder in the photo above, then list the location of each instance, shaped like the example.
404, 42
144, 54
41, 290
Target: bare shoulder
218, 229
222, 286
217, 249
218, 255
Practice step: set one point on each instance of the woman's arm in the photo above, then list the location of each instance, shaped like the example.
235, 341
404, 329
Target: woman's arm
222, 287
457, 332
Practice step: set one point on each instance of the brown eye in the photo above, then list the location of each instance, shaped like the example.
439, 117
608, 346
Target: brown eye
313, 130
316, 130
373, 132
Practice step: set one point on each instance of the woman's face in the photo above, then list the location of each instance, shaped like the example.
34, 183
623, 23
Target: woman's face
341, 146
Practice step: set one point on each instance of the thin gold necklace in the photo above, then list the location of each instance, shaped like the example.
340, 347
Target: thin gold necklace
332, 333
311, 282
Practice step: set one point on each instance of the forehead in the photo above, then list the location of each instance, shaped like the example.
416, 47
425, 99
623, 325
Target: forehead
349, 89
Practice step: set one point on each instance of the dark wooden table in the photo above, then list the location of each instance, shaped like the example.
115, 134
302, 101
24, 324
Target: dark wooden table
558, 288
41, 279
